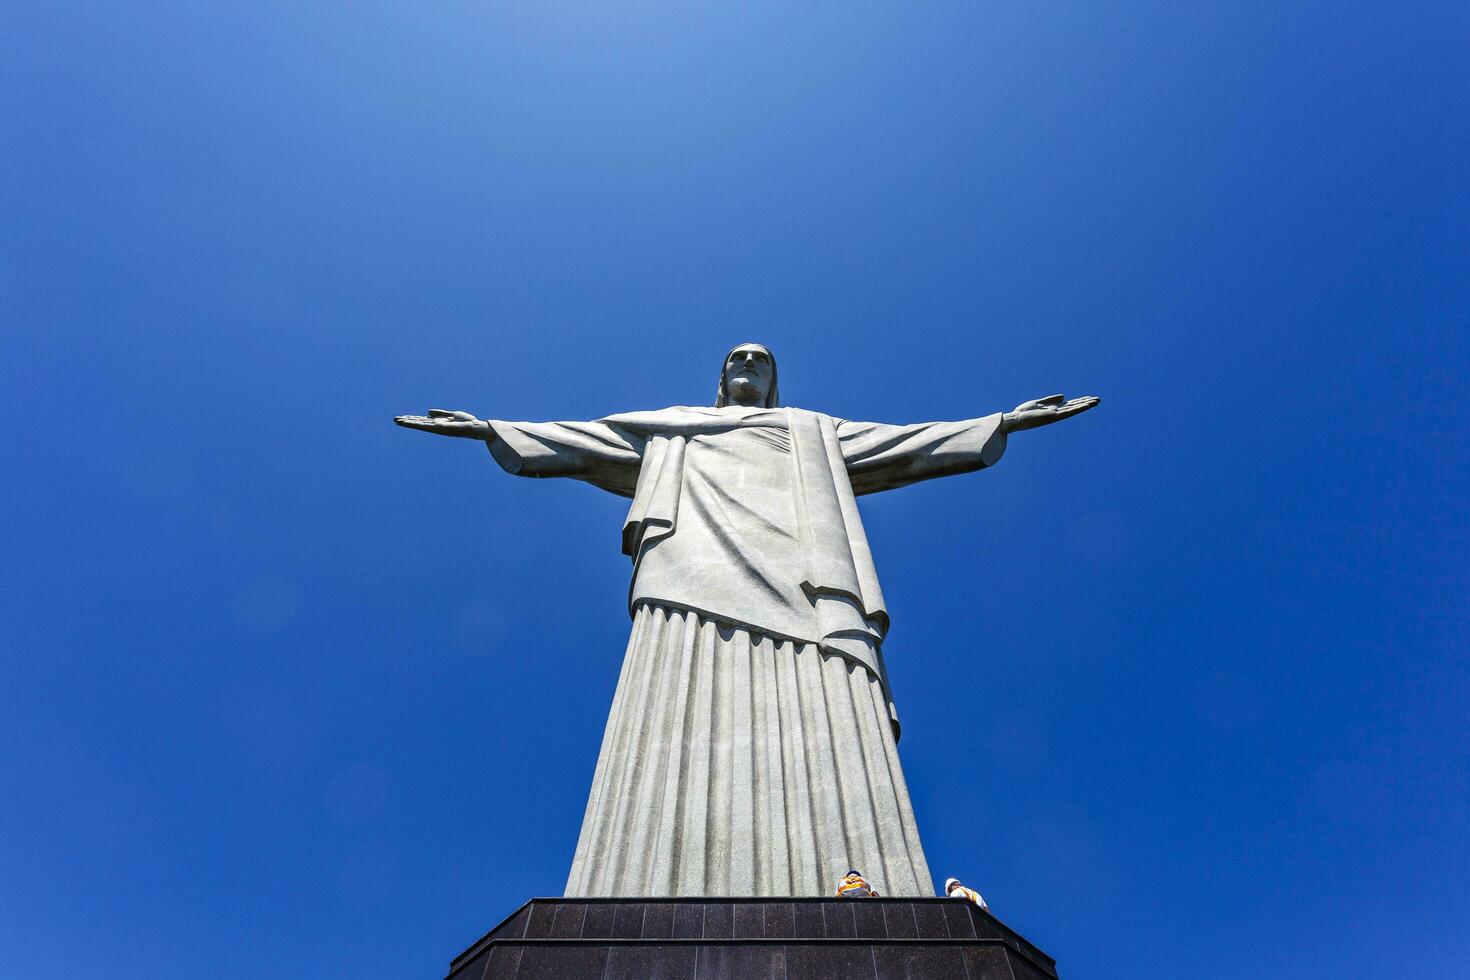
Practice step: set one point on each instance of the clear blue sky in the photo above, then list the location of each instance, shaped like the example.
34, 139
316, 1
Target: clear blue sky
290, 692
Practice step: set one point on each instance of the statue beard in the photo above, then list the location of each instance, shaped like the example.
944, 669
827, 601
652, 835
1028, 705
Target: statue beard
742, 392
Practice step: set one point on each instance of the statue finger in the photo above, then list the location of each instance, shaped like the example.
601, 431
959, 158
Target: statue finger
440, 413
1051, 400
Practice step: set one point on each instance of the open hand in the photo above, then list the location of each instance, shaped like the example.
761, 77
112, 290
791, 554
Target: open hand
445, 423
1045, 411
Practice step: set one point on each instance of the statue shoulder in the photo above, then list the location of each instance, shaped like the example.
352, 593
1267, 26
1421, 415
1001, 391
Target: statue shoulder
820, 420
648, 416
808, 413
688, 419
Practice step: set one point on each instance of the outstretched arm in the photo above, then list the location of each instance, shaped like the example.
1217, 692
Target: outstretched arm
601, 453
884, 457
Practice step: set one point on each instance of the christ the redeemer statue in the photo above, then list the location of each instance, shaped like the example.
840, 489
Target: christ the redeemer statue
752, 744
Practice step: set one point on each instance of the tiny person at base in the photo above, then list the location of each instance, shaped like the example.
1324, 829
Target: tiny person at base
854, 885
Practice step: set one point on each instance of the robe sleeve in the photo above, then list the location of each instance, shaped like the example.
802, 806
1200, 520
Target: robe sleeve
884, 457
601, 453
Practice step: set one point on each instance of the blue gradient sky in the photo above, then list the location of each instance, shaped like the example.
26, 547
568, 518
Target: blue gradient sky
291, 692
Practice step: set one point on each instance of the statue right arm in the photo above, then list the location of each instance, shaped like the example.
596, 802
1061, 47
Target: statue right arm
600, 453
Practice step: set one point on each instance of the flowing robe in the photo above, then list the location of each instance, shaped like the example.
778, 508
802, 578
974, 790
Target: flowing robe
751, 746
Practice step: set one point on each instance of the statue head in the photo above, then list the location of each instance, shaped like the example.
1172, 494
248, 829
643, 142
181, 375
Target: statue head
748, 378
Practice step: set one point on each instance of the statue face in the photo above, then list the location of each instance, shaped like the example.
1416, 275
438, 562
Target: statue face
748, 375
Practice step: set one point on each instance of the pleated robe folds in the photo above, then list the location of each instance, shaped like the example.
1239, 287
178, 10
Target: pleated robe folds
751, 746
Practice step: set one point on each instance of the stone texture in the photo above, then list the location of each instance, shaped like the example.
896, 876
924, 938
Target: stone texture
658, 921
703, 939
780, 921
628, 921
651, 963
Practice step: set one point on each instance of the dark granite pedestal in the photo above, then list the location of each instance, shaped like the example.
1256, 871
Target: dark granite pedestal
751, 939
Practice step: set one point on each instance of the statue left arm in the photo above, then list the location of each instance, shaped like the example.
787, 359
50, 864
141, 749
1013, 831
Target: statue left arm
884, 457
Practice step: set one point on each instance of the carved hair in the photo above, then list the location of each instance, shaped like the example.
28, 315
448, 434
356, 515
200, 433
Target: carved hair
722, 398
